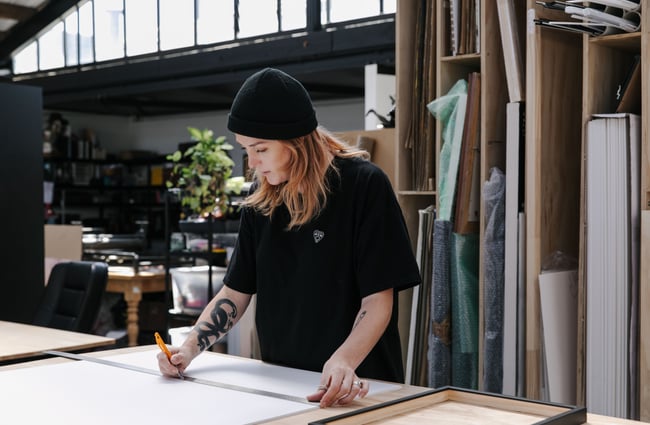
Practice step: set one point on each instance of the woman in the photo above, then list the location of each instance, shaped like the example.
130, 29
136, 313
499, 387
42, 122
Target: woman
322, 243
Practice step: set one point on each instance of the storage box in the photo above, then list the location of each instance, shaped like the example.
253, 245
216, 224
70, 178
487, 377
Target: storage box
190, 287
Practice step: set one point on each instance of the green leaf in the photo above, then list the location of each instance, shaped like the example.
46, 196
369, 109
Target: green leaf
176, 156
195, 133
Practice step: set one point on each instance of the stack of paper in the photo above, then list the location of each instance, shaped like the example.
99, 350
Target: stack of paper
612, 216
420, 313
596, 17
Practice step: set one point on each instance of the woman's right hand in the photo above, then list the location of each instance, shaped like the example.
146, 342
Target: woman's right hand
179, 361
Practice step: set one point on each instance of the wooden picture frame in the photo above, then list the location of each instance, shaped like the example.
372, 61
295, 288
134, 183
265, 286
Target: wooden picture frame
468, 192
457, 405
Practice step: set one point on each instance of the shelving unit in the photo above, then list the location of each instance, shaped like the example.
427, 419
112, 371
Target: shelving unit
606, 60
411, 200
447, 69
568, 77
120, 196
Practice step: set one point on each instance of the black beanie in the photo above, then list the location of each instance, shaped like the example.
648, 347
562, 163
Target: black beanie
272, 105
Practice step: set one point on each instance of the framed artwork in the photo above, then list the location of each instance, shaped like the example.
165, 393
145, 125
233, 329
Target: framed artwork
450, 405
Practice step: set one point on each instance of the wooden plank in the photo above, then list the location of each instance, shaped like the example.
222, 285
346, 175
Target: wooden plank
644, 295
459, 406
467, 215
553, 141
493, 130
21, 341
455, 412
531, 204
645, 107
404, 74
644, 302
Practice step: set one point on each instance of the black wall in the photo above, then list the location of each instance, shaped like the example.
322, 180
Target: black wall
21, 201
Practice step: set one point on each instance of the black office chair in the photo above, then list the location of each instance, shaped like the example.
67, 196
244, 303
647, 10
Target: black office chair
73, 296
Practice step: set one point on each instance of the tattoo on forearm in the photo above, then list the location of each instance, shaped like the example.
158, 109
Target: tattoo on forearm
361, 316
222, 321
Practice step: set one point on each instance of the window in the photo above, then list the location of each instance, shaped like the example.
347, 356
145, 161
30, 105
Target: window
86, 48
109, 27
27, 60
50, 52
176, 24
103, 30
345, 10
215, 21
293, 14
71, 39
141, 27
257, 17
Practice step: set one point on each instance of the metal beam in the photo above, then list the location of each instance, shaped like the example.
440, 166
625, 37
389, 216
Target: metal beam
23, 32
15, 12
313, 15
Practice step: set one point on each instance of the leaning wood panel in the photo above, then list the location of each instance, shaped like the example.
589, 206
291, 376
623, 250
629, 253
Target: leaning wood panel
553, 139
644, 301
404, 74
645, 135
644, 331
644, 340
494, 97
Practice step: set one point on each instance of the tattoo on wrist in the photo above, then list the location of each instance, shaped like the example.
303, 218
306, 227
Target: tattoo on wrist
222, 321
361, 315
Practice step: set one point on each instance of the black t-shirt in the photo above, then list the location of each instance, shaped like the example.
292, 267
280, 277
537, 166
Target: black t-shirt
310, 281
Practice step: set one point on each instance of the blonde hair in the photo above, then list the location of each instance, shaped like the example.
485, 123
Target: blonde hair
305, 191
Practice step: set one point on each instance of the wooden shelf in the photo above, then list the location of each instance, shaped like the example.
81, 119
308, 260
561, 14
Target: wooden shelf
568, 77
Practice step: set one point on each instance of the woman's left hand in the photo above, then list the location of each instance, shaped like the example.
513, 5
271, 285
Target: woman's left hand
339, 385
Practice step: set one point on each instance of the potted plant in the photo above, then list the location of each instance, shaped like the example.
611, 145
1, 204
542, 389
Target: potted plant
202, 175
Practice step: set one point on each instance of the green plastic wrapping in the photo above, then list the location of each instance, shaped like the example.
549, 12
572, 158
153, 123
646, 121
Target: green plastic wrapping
450, 110
464, 310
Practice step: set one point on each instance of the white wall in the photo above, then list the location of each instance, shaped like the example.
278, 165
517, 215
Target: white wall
163, 134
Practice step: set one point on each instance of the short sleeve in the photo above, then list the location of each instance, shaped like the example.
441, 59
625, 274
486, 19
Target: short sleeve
241, 274
383, 254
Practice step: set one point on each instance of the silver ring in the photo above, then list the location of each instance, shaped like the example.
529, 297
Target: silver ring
358, 383
322, 388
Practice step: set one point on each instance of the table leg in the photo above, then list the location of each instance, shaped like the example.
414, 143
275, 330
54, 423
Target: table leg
132, 299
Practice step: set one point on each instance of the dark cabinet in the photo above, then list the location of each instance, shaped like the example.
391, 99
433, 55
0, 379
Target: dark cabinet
21, 189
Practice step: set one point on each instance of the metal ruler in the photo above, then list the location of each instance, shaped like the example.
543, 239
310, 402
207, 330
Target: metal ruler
186, 378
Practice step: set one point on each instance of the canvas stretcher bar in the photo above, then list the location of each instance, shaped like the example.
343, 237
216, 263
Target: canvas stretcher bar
461, 406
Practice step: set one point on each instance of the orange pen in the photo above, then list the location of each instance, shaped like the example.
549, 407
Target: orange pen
165, 350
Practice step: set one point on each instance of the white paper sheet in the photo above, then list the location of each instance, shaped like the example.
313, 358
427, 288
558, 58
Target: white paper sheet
244, 372
82, 392
558, 292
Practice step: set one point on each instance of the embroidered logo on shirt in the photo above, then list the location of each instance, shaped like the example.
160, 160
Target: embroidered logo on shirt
318, 235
